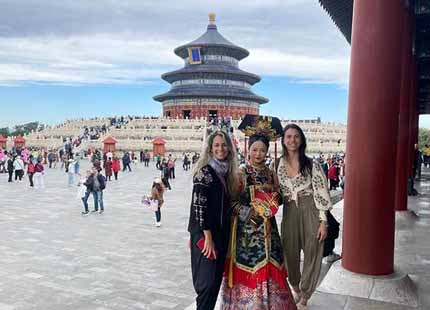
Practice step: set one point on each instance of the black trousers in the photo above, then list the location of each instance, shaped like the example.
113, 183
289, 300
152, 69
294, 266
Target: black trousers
166, 183
116, 175
171, 173
10, 175
126, 166
19, 174
158, 215
30, 178
207, 274
333, 184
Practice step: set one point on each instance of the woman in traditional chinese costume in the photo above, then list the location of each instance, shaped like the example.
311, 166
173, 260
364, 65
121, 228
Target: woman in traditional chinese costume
255, 275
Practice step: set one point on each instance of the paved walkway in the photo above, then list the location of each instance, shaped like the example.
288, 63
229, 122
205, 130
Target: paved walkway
412, 256
52, 258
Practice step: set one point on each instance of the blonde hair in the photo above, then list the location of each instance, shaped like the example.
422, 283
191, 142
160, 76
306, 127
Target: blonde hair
232, 182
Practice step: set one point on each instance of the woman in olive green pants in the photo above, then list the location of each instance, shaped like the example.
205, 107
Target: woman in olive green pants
304, 224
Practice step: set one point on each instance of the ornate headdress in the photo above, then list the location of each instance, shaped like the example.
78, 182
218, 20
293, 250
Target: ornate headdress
261, 125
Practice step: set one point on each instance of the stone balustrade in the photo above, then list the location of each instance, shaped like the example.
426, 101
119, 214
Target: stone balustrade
181, 135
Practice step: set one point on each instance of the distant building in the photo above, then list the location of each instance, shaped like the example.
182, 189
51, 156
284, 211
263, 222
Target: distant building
211, 83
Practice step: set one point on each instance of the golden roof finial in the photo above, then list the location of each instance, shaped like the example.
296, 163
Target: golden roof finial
212, 18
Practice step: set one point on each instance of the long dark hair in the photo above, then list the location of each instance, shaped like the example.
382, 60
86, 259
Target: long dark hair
305, 163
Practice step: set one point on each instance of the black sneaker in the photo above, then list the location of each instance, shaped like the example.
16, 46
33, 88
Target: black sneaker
85, 213
94, 211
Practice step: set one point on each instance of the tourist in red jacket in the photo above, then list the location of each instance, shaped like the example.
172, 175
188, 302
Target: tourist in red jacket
116, 166
333, 176
108, 168
30, 172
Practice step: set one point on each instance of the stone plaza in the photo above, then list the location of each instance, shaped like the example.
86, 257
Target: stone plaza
53, 258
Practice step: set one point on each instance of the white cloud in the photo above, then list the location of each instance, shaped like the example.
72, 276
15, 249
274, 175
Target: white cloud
424, 121
303, 67
85, 60
132, 41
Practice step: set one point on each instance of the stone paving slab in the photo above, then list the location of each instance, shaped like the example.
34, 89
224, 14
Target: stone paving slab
52, 258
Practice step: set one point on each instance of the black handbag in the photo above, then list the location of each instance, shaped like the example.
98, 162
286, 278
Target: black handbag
332, 234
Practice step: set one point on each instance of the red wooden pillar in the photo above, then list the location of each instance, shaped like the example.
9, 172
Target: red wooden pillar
402, 166
373, 110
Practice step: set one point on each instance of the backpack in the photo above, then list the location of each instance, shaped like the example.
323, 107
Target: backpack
30, 168
332, 234
102, 181
38, 167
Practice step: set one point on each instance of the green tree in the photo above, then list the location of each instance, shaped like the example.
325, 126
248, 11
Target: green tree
25, 128
5, 132
423, 137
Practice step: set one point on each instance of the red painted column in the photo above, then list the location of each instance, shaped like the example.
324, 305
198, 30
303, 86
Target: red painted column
373, 110
401, 202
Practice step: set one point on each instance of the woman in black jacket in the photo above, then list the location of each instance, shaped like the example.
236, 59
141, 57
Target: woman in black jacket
209, 223
10, 167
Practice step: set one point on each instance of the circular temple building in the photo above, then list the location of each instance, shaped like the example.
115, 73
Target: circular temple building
211, 83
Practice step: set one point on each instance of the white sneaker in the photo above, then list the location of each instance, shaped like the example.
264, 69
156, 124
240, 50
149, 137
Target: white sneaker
158, 224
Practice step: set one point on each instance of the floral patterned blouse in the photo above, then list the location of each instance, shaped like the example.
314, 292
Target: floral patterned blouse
299, 185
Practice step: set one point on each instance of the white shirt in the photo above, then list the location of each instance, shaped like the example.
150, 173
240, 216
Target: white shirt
315, 184
18, 164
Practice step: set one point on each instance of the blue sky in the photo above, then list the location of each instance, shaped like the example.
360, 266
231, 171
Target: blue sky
54, 104
76, 58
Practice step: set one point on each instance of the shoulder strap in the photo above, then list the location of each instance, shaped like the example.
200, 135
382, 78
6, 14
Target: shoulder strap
278, 160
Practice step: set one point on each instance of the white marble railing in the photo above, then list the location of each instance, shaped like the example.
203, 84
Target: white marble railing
180, 135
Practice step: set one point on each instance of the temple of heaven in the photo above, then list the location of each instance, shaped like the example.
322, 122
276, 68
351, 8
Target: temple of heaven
211, 83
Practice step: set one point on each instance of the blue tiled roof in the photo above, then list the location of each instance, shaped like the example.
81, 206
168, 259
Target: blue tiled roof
211, 91
218, 69
213, 38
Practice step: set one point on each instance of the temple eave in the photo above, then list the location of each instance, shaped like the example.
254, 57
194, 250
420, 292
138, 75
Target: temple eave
237, 52
166, 96
236, 74
341, 13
